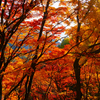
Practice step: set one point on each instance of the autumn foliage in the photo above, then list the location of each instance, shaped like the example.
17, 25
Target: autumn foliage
33, 63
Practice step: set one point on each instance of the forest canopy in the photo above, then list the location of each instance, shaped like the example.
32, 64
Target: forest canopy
33, 65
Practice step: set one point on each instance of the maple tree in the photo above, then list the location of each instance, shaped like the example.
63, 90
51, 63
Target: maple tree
14, 39
12, 14
88, 48
31, 64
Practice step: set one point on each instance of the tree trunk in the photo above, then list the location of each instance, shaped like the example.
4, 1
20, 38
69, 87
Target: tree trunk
1, 77
77, 75
1, 87
29, 87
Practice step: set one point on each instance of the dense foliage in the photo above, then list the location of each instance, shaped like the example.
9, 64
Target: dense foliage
33, 67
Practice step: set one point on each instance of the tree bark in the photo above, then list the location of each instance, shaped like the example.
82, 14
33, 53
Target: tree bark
1, 87
77, 75
29, 87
